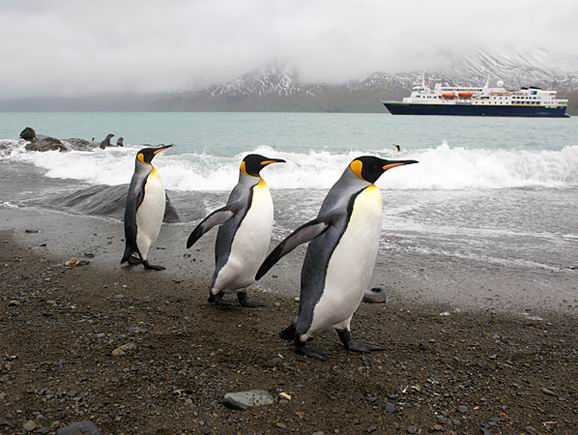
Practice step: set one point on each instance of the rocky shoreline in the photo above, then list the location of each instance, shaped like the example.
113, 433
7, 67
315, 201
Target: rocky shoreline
143, 353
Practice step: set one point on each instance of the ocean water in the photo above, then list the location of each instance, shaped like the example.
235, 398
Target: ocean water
493, 190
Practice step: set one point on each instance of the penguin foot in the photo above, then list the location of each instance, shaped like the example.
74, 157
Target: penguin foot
218, 301
357, 346
133, 261
288, 334
149, 266
245, 302
300, 349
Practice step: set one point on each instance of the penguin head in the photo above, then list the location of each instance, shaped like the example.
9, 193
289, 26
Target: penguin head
146, 155
370, 168
253, 163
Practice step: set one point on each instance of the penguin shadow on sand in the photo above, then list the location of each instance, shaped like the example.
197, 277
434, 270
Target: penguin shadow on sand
145, 208
245, 229
340, 258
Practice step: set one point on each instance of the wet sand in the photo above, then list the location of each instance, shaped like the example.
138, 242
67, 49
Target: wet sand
475, 370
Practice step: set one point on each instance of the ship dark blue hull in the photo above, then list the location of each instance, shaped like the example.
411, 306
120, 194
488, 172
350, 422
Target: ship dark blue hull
398, 108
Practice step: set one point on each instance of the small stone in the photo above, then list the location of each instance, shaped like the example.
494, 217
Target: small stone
189, 401
462, 409
493, 356
284, 396
411, 429
79, 428
281, 425
531, 430
122, 350
246, 399
376, 295
2, 396
547, 391
438, 427
31, 231
14, 303
29, 426
390, 407
319, 432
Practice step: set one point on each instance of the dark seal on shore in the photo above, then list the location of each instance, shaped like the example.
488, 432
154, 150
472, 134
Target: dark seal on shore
28, 134
106, 142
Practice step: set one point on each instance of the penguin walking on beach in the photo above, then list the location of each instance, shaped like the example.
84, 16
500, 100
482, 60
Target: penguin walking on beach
243, 239
145, 208
340, 258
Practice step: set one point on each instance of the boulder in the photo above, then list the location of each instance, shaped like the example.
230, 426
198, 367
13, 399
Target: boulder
78, 144
99, 201
45, 143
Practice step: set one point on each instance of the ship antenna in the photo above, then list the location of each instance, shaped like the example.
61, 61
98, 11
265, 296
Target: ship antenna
423, 80
487, 85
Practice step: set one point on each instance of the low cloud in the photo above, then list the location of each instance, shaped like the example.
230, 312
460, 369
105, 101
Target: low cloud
69, 48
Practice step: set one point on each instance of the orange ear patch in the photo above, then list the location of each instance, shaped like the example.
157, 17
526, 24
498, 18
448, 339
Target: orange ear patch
356, 166
243, 168
140, 156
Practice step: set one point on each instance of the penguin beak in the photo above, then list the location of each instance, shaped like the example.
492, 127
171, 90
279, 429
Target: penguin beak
269, 161
161, 149
394, 163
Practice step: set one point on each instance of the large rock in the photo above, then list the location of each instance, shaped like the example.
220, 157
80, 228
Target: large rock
45, 143
100, 201
79, 144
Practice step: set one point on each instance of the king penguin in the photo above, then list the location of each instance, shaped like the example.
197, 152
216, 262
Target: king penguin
245, 233
145, 208
340, 258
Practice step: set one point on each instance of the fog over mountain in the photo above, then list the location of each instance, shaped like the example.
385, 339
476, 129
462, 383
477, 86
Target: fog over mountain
219, 54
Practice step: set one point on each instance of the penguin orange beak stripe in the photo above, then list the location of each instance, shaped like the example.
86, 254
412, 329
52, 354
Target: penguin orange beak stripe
161, 149
400, 163
268, 162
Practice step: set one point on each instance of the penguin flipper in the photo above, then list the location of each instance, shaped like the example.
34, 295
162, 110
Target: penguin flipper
218, 217
304, 234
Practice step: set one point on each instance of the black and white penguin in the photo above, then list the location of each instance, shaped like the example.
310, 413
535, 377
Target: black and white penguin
245, 233
145, 208
341, 256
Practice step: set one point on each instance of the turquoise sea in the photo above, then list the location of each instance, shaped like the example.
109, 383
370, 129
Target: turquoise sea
492, 190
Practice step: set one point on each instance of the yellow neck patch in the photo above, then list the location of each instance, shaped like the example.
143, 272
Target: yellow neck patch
356, 166
262, 183
243, 168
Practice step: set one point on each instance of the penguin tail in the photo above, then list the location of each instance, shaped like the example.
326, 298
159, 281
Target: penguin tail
288, 334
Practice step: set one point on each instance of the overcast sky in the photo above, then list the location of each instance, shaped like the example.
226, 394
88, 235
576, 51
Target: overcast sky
82, 47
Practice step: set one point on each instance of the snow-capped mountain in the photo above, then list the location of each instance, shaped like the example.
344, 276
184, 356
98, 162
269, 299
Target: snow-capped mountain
278, 87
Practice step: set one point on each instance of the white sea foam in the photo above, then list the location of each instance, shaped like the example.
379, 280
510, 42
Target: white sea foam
443, 167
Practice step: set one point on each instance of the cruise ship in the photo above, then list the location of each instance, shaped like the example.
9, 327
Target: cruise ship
485, 101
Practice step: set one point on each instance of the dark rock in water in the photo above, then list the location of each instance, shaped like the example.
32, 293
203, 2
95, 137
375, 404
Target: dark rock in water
28, 134
79, 144
45, 143
79, 428
120, 142
106, 142
246, 399
100, 201
376, 295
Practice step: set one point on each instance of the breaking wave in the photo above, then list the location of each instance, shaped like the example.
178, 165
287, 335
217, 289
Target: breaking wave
442, 167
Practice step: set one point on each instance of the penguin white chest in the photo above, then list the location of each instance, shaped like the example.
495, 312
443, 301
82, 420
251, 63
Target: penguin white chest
149, 216
351, 265
250, 243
